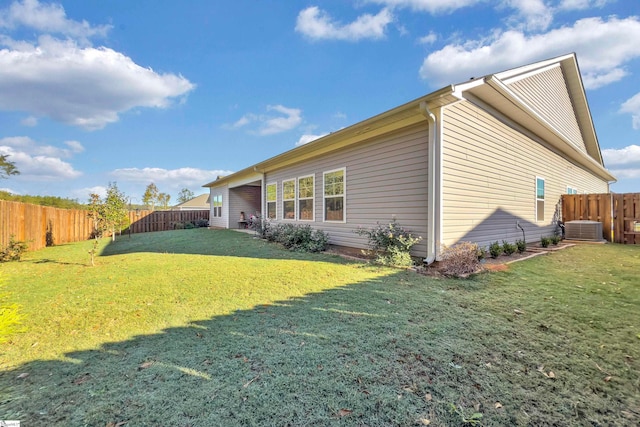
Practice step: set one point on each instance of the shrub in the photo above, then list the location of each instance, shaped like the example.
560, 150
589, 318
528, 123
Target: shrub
460, 259
296, 237
482, 252
391, 243
545, 241
508, 248
555, 239
495, 250
521, 245
13, 251
260, 225
202, 223
189, 225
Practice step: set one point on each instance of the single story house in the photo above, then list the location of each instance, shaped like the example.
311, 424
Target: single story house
198, 203
477, 161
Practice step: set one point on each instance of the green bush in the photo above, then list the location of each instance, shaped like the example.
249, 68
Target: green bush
521, 245
545, 241
391, 243
508, 248
460, 260
13, 251
189, 225
555, 239
495, 250
296, 237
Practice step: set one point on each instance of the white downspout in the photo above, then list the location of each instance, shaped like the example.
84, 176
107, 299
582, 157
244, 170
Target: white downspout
434, 200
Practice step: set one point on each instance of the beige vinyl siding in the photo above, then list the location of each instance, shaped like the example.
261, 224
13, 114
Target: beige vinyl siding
547, 93
222, 221
385, 176
242, 199
489, 179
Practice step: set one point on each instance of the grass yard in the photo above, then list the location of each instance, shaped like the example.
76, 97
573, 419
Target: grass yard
206, 328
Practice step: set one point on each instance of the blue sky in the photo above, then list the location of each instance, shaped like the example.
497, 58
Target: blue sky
177, 93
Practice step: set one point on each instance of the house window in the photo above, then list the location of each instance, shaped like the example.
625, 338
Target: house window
272, 195
539, 199
334, 195
571, 190
289, 199
305, 198
217, 206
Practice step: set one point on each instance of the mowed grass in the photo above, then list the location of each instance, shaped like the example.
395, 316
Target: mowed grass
203, 327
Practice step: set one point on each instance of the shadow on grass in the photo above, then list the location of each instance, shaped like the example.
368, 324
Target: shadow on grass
339, 356
202, 241
387, 352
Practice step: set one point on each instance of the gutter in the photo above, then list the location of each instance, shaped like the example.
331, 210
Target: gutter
434, 193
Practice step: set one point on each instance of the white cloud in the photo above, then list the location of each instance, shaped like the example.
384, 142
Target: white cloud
47, 18
272, 125
624, 163
268, 124
603, 48
8, 190
534, 14
428, 39
82, 194
581, 4
616, 157
38, 162
307, 138
74, 146
29, 121
632, 106
174, 178
85, 87
318, 25
431, 6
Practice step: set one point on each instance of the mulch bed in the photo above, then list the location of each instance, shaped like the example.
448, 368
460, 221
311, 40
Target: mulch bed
500, 263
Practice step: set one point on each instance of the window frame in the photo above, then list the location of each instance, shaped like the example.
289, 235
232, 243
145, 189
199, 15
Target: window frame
343, 195
312, 198
216, 204
275, 201
295, 189
540, 199
571, 190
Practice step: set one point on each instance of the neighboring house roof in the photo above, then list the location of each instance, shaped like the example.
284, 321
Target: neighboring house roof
492, 91
198, 202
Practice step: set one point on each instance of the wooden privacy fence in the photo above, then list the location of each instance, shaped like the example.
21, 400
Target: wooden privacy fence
43, 225
38, 224
618, 213
146, 221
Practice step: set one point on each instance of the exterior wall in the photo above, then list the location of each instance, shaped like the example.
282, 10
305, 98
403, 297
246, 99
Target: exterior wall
489, 179
384, 177
243, 199
547, 93
222, 221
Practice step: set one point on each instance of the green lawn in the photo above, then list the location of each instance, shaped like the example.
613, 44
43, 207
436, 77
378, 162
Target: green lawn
203, 328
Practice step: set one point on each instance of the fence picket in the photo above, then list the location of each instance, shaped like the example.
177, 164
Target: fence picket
30, 223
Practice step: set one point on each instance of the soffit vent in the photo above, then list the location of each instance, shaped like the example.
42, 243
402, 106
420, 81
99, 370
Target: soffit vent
583, 230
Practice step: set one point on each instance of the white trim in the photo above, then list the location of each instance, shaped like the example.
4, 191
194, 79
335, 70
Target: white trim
266, 200
344, 195
571, 190
312, 198
295, 190
544, 195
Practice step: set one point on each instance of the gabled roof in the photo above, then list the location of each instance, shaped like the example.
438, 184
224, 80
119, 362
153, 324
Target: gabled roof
491, 90
201, 201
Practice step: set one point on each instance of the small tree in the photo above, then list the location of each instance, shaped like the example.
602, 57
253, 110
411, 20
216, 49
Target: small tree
163, 200
110, 213
150, 196
7, 168
185, 195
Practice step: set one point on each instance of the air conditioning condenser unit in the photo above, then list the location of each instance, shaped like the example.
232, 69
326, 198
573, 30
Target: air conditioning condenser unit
583, 230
